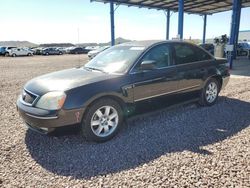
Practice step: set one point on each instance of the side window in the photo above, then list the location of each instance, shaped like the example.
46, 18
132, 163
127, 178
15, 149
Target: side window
160, 54
184, 54
201, 55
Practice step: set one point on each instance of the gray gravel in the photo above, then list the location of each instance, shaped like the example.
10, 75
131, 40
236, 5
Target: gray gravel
186, 146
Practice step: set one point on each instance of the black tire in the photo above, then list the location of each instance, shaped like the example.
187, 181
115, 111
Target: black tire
47, 53
13, 55
29, 54
203, 96
86, 129
60, 53
6, 54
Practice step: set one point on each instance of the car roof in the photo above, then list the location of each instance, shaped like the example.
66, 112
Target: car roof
148, 43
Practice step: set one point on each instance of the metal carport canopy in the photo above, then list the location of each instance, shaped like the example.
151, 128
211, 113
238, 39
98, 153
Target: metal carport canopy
201, 7
190, 6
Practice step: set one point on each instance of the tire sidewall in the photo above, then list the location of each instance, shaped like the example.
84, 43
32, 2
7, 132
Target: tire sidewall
86, 122
204, 98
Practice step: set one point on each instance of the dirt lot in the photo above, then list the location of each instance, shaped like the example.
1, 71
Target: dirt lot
186, 146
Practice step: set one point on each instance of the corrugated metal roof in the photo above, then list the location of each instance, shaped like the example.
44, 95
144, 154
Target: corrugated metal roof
190, 6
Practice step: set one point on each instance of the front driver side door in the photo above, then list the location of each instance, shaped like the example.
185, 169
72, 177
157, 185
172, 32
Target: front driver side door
157, 82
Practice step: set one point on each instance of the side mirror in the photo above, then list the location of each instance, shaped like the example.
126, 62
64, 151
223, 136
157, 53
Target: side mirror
147, 65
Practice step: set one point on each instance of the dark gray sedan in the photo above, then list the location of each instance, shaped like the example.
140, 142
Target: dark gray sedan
99, 95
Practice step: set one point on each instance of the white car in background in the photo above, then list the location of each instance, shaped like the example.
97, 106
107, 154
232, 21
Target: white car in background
94, 53
20, 52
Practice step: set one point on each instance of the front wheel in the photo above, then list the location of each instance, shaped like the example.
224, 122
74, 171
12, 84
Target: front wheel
102, 121
210, 92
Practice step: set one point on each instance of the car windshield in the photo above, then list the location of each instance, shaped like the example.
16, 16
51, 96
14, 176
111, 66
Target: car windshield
116, 59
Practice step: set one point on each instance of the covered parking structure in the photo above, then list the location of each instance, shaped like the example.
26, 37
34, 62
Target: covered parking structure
200, 7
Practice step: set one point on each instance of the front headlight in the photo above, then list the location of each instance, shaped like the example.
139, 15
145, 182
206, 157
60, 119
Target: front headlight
52, 100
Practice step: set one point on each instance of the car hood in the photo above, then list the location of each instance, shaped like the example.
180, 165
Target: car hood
65, 80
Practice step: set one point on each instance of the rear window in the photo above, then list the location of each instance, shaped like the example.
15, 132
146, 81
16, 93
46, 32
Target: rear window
186, 53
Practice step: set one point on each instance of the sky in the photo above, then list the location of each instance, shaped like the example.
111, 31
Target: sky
79, 21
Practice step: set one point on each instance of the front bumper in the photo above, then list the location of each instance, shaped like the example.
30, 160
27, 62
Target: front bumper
45, 121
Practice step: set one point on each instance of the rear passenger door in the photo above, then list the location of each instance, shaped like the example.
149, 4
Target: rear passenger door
192, 66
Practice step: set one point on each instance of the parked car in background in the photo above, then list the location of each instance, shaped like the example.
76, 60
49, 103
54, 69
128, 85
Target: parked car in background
20, 52
99, 95
62, 49
90, 48
5, 50
2, 50
69, 48
77, 50
209, 47
37, 51
51, 51
94, 53
243, 49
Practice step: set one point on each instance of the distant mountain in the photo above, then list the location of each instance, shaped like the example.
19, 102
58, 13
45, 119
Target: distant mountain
121, 40
57, 45
17, 43
88, 44
117, 41
30, 44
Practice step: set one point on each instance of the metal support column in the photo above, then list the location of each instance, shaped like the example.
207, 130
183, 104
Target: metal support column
233, 32
237, 30
180, 18
167, 24
112, 22
204, 29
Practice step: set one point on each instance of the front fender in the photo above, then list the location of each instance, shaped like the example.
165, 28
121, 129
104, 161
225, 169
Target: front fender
82, 96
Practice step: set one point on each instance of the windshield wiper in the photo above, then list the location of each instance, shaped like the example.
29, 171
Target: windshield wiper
95, 69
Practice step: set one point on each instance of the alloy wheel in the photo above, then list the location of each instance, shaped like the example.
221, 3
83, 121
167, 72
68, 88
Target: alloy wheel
104, 121
211, 92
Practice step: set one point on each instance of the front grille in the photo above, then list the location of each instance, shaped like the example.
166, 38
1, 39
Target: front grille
28, 97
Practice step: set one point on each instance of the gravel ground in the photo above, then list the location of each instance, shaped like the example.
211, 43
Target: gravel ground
186, 146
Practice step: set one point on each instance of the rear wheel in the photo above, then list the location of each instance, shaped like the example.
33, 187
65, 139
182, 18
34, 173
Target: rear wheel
102, 121
210, 92
13, 55
6, 54
29, 54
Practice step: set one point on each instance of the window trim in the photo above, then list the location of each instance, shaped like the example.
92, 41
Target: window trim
192, 46
132, 70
